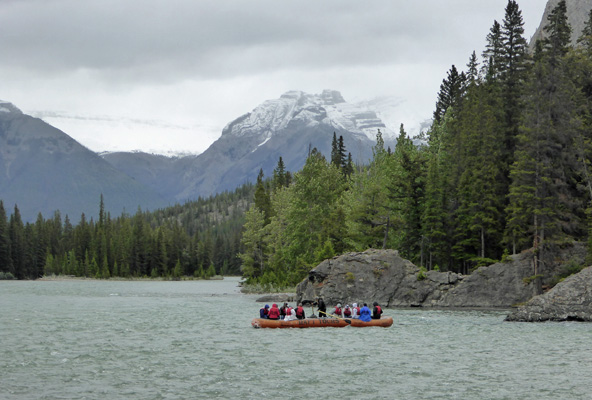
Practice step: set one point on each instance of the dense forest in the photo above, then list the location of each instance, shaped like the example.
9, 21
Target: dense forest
504, 167
200, 239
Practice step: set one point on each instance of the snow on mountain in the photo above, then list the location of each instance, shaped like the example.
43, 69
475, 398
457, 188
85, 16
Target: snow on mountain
329, 107
394, 111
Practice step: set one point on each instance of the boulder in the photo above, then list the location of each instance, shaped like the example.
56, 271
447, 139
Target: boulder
570, 300
384, 276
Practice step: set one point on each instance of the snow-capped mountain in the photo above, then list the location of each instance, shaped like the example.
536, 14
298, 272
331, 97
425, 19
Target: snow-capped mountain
287, 127
43, 169
273, 116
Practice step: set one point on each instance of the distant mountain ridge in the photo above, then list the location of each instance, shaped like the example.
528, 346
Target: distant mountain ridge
288, 127
42, 169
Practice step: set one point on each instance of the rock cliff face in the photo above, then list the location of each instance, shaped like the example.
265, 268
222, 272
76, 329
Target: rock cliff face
577, 15
570, 300
385, 277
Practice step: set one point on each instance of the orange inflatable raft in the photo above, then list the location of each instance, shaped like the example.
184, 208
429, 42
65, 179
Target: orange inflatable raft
384, 322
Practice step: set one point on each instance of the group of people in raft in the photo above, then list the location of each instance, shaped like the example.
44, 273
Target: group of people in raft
288, 313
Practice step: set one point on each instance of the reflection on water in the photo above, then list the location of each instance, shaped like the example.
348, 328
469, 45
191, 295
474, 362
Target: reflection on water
181, 340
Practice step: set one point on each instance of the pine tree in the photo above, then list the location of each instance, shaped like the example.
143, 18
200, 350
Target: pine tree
5, 256
450, 92
493, 52
473, 69
513, 74
558, 30
18, 245
262, 198
279, 175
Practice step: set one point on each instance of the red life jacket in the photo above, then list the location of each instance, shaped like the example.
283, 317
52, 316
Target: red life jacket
347, 312
357, 311
299, 311
379, 310
288, 311
274, 313
337, 311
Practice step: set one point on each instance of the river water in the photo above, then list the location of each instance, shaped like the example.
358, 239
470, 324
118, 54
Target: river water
86, 339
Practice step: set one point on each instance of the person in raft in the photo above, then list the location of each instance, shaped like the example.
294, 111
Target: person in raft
376, 311
283, 311
290, 314
365, 313
264, 311
274, 312
322, 308
337, 310
347, 312
355, 311
300, 312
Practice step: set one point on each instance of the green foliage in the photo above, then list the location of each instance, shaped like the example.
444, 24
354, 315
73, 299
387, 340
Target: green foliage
6, 276
350, 277
530, 279
421, 275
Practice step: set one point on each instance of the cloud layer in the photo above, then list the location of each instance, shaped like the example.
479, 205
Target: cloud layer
199, 64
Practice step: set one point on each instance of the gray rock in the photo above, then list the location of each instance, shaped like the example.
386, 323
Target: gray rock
570, 300
277, 298
385, 277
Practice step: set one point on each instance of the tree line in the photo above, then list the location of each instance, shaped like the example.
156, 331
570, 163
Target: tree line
504, 167
199, 239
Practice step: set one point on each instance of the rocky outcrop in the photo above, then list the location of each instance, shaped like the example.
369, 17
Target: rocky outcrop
385, 277
577, 15
570, 300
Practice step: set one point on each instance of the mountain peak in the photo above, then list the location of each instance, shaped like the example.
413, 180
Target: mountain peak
331, 97
9, 108
297, 107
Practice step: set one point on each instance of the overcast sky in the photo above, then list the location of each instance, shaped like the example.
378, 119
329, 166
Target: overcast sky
160, 75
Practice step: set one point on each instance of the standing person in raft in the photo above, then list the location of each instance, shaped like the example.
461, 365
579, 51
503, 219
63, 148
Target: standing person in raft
264, 311
365, 314
322, 308
274, 312
376, 311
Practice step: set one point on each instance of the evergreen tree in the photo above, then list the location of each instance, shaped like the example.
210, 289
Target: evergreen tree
253, 240
262, 198
279, 175
18, 243
513, 70
407, 188
5, 256
473, 69
450, 93
493, 52
558, 30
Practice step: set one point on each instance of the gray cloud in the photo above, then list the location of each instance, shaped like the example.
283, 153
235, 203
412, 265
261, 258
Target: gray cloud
202, 62
223, 38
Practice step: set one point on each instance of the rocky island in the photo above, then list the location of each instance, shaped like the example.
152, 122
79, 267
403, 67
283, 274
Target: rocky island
384, 276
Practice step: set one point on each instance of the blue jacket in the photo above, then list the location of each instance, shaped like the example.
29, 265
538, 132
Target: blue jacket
365, 314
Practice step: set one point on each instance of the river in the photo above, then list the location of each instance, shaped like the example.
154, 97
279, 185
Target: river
87, 339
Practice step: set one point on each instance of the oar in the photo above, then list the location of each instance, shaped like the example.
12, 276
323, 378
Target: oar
335, 316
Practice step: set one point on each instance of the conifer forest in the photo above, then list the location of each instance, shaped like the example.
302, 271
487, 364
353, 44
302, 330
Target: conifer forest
504, 167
